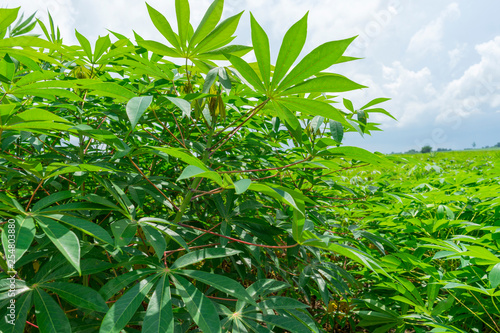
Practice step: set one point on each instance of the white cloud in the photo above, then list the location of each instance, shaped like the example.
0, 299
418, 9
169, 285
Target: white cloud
429, 38
413, 92
477, 90
456, 55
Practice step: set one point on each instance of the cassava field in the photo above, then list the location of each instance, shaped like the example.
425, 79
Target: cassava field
172, 186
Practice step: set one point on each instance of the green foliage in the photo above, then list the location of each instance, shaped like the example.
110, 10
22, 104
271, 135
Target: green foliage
426, 149
216, 195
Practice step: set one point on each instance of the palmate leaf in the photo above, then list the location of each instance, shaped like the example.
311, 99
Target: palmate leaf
125, 307
200, 308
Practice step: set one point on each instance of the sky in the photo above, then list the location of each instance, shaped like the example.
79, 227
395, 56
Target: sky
438, 61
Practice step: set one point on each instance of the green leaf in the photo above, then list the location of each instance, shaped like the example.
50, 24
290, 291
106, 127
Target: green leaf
108, 89
101, 45
159, 315
181, 154
208, 23
5, 112
317, 60
220, 36
7, 17
78, 295
51, 199
23, 305
36, 115
220, 282
203, 254
199, 306
278, 193
348, 104
210, 79
288, 323
336, 131
373, 102
246, 72
159, 48
17, 238
242, 185
161, 23
182, 104
50, 317
313, 108
260, 43
359, 154
136, 107
182, 14
125, 307
65, 240
379, 110
167, 231
327, 83
156, 239
194, 171
494, 276
481, 253
84, 42
292, 44
87, 227
116, 284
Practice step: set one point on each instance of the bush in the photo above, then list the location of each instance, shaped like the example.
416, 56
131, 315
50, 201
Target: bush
175, 196
426, 149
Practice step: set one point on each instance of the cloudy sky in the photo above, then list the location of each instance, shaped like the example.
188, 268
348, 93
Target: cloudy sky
439, 61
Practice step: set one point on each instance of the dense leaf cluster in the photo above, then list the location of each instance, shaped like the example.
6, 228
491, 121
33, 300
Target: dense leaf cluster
175, 187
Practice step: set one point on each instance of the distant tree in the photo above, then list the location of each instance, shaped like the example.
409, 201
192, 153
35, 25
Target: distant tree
411, 151
474, 145
426, 149
497, 145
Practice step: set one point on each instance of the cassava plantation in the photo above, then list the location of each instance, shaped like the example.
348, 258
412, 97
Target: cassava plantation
172, 186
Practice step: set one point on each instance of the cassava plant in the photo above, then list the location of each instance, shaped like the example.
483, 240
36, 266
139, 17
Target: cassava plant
172, 186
